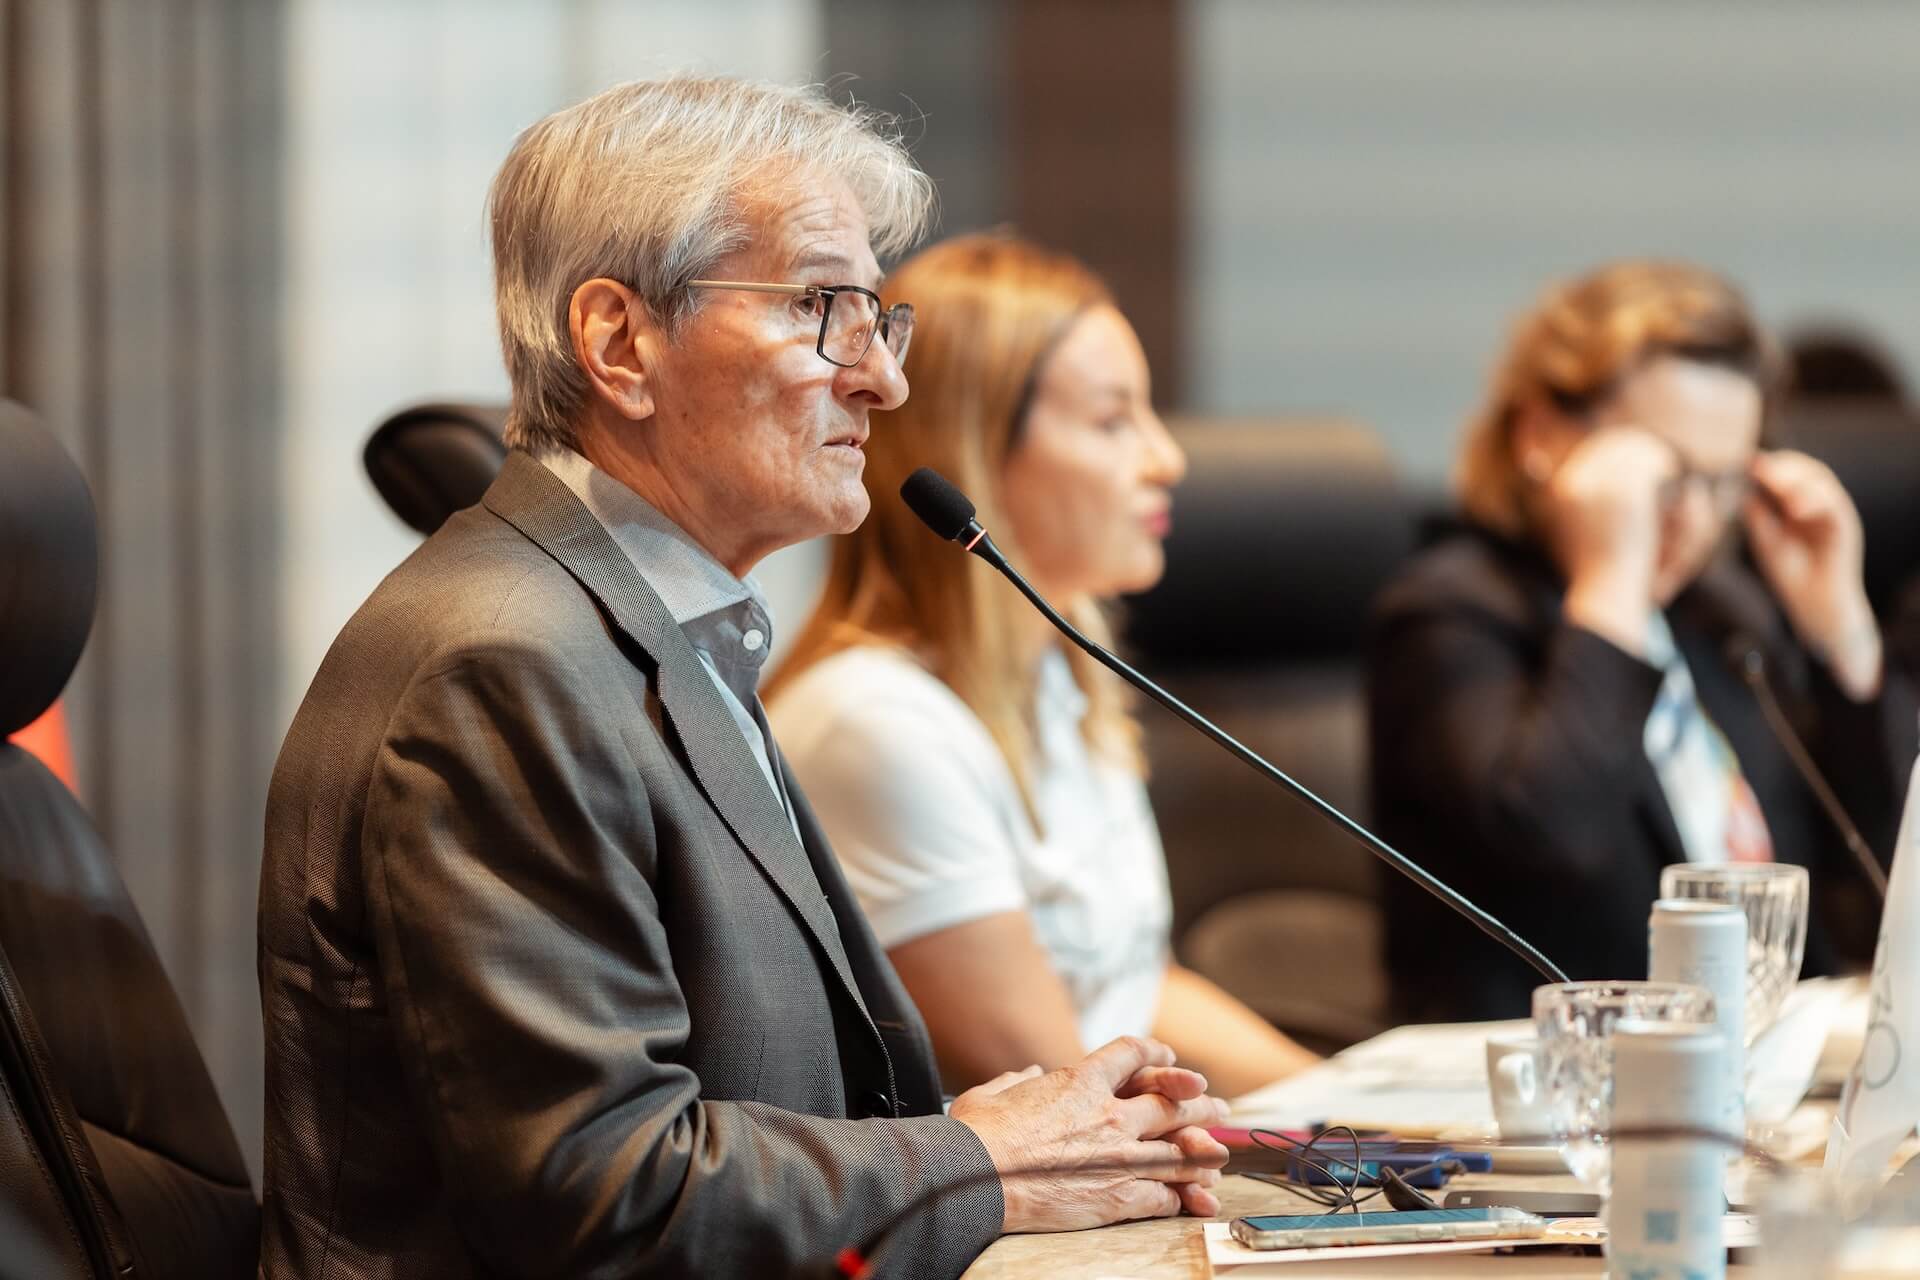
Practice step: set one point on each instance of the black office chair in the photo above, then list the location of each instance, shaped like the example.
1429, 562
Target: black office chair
116, 1157
1842, 362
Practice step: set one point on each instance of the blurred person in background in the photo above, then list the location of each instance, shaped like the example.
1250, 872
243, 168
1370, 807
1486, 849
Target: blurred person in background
980, 778
1555, 710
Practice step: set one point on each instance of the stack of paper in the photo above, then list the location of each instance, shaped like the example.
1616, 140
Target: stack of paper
1417, 1081
1424, 1081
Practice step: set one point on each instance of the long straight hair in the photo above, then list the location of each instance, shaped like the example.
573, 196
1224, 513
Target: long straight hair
991, 309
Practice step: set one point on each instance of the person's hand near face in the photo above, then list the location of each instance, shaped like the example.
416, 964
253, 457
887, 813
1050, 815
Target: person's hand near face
1634, 499
1604, 528
1635, 502
1807, 540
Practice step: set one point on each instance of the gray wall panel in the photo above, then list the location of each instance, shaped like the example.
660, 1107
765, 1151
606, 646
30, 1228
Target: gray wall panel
1378, 187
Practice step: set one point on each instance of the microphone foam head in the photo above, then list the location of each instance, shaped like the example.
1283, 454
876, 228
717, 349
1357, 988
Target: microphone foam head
940, 506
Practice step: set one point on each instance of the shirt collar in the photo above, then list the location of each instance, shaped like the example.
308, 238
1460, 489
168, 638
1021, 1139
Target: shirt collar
726, 618
1661, 648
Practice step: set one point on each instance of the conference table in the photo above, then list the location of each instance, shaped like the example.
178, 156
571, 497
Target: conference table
1446, 1086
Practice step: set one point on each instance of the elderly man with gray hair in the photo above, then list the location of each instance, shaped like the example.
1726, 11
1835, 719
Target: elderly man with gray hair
560, 976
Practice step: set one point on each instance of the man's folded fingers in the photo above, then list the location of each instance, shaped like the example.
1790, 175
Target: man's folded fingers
1177, 1083
1153, 1114
1165, 1160
1197, 1200
1200, 1147
1115, 1062
1145, 1199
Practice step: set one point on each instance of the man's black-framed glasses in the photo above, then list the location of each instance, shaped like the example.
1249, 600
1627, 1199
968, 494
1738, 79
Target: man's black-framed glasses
849, 317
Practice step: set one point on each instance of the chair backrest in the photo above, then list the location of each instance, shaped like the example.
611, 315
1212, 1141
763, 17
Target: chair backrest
117, 1108
1844, 362
1283, 531
431, 460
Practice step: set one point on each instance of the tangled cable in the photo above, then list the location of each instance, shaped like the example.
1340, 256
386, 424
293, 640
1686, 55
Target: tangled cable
1393, 1184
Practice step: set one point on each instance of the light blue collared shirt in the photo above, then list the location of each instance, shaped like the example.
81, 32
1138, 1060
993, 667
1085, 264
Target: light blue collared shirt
726, 619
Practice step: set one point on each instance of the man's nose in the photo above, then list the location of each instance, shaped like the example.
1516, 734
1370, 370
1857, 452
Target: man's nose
877, 378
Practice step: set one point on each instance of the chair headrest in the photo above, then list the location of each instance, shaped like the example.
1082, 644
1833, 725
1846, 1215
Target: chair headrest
1283, 531
1841, 362
49, 567
431, 460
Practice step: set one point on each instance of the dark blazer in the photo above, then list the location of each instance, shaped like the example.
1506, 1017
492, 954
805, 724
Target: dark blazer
1507, 757
550, 987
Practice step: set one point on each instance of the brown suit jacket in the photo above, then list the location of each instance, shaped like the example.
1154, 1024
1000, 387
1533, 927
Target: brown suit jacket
550, 988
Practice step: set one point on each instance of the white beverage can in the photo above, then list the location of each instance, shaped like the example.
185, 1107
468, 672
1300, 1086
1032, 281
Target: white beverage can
1664, 1216
1704, 944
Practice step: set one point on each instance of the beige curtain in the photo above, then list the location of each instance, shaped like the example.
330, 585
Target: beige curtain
139, 248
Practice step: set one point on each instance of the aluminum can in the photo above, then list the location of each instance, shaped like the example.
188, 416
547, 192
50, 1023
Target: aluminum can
1664, 1216
1705, 944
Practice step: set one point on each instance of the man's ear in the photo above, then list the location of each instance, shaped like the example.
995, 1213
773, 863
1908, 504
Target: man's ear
612, 340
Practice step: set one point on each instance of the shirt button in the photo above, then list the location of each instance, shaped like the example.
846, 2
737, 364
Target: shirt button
753, 640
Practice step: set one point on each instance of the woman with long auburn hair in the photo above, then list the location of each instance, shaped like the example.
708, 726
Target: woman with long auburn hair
1559, 686
980, 779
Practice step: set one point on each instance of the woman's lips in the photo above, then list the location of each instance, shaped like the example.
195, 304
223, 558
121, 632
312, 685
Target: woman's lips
1159, 523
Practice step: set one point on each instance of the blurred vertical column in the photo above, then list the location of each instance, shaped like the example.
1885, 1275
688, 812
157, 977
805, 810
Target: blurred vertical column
943, 68
140, 223
1095, 160
1061, 118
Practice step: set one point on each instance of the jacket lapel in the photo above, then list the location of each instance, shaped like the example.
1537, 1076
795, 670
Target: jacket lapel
534, 501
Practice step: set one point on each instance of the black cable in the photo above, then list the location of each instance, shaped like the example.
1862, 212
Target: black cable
1747, 658
1307, 1190
1359, 1178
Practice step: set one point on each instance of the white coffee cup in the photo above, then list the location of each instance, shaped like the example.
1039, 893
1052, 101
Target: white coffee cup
1513, 1080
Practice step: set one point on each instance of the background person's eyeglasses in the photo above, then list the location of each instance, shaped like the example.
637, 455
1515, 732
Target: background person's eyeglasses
1724, 489
849, 317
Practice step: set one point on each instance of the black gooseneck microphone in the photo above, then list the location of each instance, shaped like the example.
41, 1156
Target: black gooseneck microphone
948, 512
1746, 657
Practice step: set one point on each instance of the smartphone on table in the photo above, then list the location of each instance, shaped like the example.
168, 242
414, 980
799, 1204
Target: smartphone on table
1417, 1226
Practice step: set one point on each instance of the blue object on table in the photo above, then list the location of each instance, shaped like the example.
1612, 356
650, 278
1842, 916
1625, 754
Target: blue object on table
1426, 1165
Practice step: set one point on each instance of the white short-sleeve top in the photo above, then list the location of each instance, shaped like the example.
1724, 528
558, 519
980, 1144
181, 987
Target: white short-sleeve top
924, 814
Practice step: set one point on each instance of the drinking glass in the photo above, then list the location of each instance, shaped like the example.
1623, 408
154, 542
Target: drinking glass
1774, 896
1575, 1022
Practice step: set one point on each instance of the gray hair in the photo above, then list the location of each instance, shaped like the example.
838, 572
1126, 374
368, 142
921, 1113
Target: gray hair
646, 183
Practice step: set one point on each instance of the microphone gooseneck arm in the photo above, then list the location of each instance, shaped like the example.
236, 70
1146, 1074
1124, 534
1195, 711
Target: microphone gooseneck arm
975, 539
1751, 663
